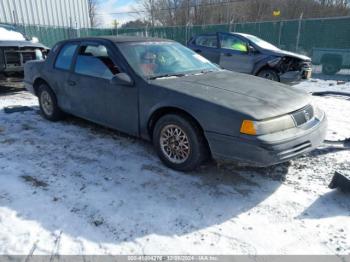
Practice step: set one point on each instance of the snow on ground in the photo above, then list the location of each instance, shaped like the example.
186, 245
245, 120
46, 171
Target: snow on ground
318, 85
73, 187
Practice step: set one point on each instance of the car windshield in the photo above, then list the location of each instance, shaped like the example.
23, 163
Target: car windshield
261, 43
164, 59
10, 34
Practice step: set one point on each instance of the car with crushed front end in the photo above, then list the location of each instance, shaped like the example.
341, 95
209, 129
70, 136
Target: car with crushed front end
250, 54
16, 49
188, 107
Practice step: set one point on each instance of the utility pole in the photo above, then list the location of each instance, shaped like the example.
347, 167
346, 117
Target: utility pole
152, 13
188, 12
299, 30
115, 24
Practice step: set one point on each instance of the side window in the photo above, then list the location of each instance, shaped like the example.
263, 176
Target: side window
207, 41
95, 61
233, 43
65, 57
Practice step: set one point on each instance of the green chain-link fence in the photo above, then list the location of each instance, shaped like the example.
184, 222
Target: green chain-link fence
294, 35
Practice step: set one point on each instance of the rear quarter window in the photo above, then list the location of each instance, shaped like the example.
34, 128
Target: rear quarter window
207, 41
65, 57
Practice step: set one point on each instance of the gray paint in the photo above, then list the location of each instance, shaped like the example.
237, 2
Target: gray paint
218, 101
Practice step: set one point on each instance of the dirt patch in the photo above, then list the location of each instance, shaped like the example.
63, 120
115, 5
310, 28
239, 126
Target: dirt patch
34, 181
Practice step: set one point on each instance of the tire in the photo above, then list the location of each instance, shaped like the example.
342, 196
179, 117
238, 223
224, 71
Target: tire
48, 104
330, 68
269, 74
167, 142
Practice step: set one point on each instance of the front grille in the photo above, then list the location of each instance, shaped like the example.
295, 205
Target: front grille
303, 115
16, 58
13, 58
28, 56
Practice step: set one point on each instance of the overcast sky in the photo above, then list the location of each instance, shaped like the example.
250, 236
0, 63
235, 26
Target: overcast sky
106, 7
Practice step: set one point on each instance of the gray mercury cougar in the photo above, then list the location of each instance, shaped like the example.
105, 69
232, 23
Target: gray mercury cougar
189, 108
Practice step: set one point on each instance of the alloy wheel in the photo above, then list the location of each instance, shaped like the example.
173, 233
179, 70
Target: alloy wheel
46, 103
175, 144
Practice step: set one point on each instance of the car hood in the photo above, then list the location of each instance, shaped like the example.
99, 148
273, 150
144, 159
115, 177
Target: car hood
255, 97
20, 44
291, 54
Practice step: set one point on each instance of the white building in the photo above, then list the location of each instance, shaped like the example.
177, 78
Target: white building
67, 13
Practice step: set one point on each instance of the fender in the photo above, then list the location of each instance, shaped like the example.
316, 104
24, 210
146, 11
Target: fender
262, 63
144, 125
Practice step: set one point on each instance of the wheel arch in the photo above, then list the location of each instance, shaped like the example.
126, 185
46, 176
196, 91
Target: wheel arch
262, 67
37, 82
162, 111
267, 67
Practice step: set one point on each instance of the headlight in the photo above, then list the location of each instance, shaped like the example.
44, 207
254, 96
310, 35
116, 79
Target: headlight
281, 123
250, 127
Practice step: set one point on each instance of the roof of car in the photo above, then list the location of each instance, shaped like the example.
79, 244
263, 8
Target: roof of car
222, 32
123, 39
20, 43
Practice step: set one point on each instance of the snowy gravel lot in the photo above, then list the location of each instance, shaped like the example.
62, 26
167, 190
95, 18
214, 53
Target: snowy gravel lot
73, 187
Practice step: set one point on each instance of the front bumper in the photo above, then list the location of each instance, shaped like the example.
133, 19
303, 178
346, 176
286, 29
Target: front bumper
293, 77
267, 150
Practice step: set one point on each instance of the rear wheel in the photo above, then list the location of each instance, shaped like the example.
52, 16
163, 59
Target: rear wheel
179, 142
269, 74
48, 103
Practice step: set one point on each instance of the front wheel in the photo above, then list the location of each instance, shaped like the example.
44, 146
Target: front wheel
179, 142
269, 74
48, 103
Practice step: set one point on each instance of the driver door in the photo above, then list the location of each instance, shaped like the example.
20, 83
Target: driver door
95, 97
235, 55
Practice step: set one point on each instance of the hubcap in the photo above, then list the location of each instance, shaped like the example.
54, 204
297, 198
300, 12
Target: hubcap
46, 103
174, 144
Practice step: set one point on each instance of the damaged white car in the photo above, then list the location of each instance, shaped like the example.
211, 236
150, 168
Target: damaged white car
16, 49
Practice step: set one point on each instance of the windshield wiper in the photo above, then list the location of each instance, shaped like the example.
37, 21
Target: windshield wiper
207, 71
166, 75
203, 72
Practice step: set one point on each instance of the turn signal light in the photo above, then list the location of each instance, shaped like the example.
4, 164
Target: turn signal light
248, 127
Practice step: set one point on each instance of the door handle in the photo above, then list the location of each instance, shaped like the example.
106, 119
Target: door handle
72, 83
198, 51
228, 54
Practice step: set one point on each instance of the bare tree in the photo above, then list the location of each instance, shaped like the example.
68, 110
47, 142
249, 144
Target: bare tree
201, 12
92, 8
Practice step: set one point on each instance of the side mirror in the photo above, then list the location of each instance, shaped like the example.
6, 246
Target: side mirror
251, 49
122, 79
